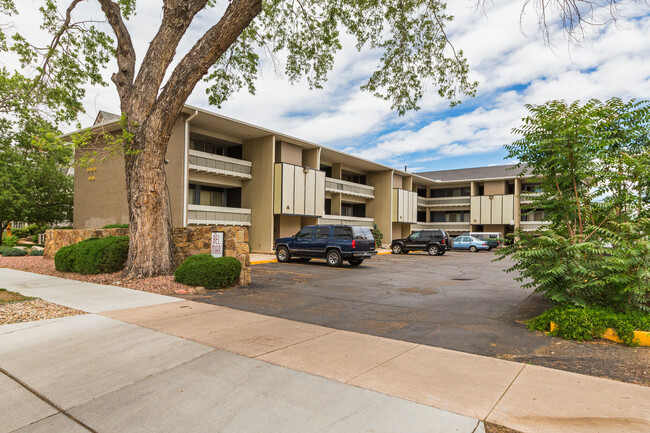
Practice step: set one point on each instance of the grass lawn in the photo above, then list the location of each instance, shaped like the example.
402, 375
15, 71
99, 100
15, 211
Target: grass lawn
7, 297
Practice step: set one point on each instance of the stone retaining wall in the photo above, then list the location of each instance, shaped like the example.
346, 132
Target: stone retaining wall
188, 241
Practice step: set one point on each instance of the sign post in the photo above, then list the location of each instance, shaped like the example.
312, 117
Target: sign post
216, 247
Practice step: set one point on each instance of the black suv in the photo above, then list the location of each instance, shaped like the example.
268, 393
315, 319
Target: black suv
435, 242
333, 243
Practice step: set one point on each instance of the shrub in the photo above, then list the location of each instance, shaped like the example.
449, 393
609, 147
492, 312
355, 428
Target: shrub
35, 252
35, 239
13, 252
578, 323
9, 241
379, 236
93, 255
210, 272
116, 226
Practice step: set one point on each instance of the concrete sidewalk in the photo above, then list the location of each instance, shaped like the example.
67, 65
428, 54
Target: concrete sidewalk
186, 366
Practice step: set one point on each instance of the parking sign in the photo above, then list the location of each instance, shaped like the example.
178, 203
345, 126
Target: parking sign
216, 248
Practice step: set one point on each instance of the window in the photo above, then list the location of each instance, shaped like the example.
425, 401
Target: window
422, 216
531, 187
349, 176
328, 206
322, 232
450, 192
536, 215
414, 236
327, 169
305, 233
342, 232
422, 192
363, 233
353, 210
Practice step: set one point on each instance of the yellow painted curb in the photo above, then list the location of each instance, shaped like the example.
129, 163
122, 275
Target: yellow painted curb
259, 262
642, 337
384, 252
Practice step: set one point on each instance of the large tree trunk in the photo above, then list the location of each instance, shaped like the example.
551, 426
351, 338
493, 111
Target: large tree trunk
150, 227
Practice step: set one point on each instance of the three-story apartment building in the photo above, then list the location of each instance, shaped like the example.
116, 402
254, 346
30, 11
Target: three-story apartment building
221, 171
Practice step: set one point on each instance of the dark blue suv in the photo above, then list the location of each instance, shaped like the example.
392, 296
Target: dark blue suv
334, 243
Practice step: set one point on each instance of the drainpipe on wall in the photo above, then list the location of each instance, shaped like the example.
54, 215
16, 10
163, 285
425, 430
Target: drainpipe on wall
186, 164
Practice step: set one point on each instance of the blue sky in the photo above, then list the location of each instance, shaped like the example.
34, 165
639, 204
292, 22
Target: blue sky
508, 57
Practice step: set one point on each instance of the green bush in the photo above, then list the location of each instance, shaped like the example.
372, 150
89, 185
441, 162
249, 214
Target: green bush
35, 252
93, 255
210, 272
378, 235
35, 239
577, 323
9, 241
116, 226
13, 252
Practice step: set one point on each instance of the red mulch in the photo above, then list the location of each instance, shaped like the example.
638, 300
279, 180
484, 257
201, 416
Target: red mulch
163, 285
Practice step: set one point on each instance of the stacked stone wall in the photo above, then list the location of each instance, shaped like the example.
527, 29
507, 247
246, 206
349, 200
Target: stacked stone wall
188, 241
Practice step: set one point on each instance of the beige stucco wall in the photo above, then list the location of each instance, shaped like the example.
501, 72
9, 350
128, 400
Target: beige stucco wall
336, 204
289, 153
494, 228
380, 207
495, 187
311, 158
102, 201
397, 181
257, 193
287, 225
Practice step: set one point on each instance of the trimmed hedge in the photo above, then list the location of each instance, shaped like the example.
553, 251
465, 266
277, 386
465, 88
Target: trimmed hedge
34, 252
116, 226
13, 252
93, 255
210, 272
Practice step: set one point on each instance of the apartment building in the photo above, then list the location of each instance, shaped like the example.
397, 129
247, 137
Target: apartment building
222, 171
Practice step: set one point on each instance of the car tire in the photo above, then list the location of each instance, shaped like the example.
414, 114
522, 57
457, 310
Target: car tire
433, 250
282, 254
442, 253
334, 258
489, 249
355, 262
473, 249
304, 260
397, 249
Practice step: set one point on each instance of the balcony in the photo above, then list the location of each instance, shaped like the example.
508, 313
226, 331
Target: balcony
203, 162
451, 227
349, 188
215, 215
531, 226
527, 197
444, 201
346, 220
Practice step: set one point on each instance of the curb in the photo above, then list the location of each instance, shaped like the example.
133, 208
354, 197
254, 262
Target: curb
643, 337
260, 262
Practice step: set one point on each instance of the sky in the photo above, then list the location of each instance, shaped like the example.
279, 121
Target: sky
507, 55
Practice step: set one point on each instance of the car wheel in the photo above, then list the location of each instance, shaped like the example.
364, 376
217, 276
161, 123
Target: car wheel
433, 250
442, 253
304, 260
334, 258
282, 254
489, 248
397, 249
473, 249
355, 262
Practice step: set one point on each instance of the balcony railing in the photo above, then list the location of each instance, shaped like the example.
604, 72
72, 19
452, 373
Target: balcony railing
346, 220
527, 197
444, 202
349, 188
216, 215
531, 226
221, 165
451, 227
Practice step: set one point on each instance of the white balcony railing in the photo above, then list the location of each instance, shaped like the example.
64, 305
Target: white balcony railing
451, 227
444, 201
221, 165
216, 215
349, 188
527, 197
531, 226
346, 220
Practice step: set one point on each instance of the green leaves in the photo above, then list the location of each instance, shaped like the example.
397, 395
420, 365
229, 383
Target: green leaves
592, 162
410, 35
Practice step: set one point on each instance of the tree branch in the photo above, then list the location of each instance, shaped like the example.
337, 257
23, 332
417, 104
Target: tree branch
123, 79
205, 53
177, 17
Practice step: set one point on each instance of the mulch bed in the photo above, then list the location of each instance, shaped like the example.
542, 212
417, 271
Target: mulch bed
37, 309
162, 285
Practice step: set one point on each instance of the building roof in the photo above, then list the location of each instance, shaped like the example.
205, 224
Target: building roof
506, 171
106, 117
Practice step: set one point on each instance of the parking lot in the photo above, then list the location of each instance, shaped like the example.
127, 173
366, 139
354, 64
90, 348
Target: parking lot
460, 301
